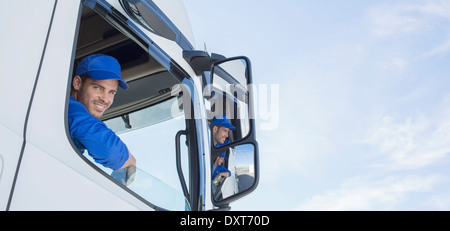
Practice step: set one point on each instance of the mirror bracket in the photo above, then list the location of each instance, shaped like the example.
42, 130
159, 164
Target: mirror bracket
201, 61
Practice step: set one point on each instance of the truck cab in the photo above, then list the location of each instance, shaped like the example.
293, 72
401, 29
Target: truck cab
164, 118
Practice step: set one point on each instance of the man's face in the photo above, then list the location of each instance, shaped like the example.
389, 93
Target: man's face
220, 134
220, 160
95, 95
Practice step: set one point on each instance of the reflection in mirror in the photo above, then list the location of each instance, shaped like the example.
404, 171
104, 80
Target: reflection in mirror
231, 73
233, 171
230, 95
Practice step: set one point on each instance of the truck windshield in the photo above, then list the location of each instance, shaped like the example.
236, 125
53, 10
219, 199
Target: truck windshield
150, 136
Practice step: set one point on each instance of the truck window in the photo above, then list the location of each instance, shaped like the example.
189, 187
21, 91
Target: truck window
150, 135
146, 116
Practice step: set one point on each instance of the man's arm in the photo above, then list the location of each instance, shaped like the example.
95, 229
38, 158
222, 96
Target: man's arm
225, 174
101, 142
224, 171
130, 162
127, 172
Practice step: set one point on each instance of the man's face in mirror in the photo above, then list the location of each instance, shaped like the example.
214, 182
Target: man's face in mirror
219, 160
220, 134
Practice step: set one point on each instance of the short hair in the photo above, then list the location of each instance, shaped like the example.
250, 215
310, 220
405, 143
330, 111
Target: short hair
83, 78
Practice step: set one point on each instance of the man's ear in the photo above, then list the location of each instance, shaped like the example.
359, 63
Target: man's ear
76, 83
215, 128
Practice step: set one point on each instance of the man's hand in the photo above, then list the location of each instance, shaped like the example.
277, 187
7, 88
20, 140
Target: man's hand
125, 175
224, 174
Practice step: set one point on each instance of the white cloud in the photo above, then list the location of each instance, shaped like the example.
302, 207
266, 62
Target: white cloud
439, 8
390, 21
411, 142
369, 194
406, 17
418, 143
394, 64
441, 49
440, 201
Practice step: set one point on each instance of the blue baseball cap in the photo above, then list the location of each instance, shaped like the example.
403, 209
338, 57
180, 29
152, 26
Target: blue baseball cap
222, 155
224, 122
101, 67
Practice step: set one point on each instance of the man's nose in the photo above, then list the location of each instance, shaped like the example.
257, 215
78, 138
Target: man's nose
106, 97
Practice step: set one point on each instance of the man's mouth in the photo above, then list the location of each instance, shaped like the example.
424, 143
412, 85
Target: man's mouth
100, 106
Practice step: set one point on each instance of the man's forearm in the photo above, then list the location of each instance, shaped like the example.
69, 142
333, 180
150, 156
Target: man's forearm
130, 162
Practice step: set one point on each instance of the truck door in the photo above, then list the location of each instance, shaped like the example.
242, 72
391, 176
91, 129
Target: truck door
24, 40
53, 173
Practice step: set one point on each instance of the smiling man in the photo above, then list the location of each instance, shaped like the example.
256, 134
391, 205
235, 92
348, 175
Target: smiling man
221, 127
93, 89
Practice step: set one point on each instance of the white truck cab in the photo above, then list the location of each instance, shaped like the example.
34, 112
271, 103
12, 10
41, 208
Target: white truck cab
165, 117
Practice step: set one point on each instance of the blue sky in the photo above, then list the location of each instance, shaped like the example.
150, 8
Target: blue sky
357, 115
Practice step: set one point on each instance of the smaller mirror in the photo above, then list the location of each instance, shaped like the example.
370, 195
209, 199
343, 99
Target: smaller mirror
233, 171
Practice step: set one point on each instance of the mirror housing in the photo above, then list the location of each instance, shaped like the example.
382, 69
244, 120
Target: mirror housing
201, 61
241, 161
230, 95
232, 108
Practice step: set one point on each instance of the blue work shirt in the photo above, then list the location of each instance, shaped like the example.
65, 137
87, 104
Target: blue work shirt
219, 168
227, 141
91, 134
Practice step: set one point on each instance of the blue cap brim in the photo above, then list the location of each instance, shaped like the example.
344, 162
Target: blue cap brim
229, 126
104, 75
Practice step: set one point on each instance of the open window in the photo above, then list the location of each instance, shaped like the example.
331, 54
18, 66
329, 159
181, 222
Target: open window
146, 117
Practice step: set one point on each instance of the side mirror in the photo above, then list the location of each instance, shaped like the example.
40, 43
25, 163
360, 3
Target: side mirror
234, 148
241, 162
230, 95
